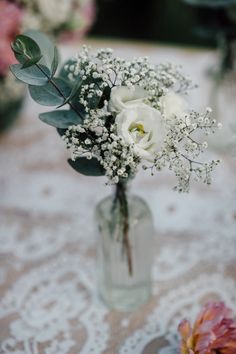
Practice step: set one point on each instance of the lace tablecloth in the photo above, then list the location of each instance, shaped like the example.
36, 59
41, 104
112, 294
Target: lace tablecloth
48, 301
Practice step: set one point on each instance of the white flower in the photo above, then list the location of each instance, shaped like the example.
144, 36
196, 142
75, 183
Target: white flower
56, 11
140, 125
122, 96
173, 105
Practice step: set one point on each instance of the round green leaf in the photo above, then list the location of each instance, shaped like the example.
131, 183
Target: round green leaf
93, 102
61, 118
61, 132
55, 61
87, 167
33, 75
47, 48
49, 95
63, 73
26, 50
74, 91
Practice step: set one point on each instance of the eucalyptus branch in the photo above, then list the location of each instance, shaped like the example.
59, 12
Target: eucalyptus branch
59, 90
121, 198
53, 84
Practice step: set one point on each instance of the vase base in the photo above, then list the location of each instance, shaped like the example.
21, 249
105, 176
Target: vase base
125, 299
120, 288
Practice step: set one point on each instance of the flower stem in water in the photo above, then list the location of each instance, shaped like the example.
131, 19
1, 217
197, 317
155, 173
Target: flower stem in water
121, 200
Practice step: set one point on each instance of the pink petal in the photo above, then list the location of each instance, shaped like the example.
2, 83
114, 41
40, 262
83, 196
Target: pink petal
185, 329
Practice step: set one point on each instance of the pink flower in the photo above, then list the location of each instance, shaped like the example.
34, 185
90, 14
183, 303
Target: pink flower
10, 20
214, 332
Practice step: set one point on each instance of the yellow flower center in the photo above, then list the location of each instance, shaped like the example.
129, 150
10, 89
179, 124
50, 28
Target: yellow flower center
137, 128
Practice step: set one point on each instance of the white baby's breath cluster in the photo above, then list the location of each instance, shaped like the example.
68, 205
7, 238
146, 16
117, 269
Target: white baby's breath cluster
93, 138
181, 149
116, 71
135, 114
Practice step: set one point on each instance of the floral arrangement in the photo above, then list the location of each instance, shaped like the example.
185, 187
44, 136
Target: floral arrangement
120, 115
214, 331
133, 113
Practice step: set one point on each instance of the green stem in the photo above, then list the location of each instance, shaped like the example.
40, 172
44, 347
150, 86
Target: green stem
58, 89
121, 198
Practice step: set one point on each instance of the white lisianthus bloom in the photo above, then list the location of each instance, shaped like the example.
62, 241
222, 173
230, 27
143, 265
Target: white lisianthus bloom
123, 96
140, 125
173, 105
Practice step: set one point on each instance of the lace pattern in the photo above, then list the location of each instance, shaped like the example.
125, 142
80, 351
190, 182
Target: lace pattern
49, 303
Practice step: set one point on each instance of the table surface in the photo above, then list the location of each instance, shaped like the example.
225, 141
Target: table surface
48, 298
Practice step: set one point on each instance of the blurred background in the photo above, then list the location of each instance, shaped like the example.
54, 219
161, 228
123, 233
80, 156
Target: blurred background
46, 209
208, 25
196, 23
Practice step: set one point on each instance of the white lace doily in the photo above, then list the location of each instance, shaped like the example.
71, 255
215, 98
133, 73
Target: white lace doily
49, 302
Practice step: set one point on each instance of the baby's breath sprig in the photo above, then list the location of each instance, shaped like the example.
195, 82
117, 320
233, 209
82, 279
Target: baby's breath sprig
98, 137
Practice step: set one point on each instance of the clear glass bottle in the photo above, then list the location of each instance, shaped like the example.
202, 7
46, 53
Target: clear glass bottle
124, 278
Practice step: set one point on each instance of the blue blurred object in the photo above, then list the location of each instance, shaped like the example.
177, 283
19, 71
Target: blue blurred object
211, 3
171, 21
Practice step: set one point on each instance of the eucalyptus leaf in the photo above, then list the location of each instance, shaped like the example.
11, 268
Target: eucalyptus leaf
61, 132
49, 95
63, 73
105, 96
33, 75
55, 61
26, 51
87, 167
75, 90
47, 48
61, 118
79, 108
95, 101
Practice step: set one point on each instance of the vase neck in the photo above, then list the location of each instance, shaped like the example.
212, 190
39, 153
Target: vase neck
123, 187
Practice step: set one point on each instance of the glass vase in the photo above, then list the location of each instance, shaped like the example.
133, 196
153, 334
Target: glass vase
125, 249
